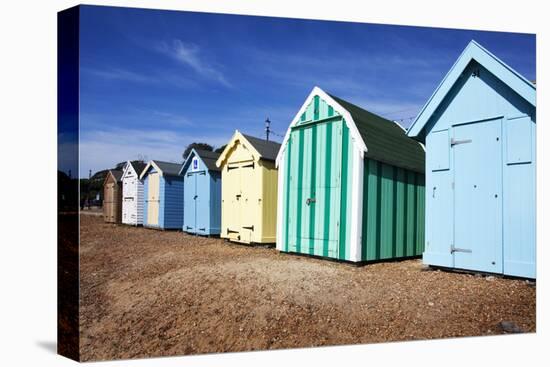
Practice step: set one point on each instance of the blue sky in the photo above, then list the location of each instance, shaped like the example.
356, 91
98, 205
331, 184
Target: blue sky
154, 81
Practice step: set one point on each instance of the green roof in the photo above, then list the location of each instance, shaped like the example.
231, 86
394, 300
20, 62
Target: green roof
386, 141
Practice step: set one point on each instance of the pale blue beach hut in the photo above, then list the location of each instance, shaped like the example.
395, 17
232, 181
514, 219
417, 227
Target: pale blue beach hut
202, 193
479, 129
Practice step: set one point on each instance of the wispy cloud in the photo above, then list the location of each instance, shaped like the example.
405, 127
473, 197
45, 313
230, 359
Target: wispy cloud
191, 55
156, 77
137, 117
120, 74
100, 149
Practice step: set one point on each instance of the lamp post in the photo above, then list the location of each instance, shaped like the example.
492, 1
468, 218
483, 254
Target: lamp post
267, 125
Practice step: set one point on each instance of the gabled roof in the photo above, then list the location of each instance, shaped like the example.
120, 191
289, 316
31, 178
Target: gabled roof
474, 51
208, 158
117, 175
267, 149
137, 166
378, 138
261, 149
165, 168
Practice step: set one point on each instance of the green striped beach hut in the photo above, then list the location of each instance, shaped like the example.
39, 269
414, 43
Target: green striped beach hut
351, 184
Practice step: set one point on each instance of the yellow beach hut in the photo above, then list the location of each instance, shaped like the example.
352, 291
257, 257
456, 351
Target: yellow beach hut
249, 189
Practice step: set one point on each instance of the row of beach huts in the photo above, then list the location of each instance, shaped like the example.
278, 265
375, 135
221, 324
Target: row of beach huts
457, 188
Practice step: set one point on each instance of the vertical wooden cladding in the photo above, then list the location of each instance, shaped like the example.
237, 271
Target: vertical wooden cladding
393, 212
132, 194
337, 203
316, 201
241, 194
153, 199
163, 195
202, 193
479, 127
112, 199
249, 190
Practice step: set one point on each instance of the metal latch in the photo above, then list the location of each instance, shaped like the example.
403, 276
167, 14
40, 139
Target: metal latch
456, 142
456, 249
310, 200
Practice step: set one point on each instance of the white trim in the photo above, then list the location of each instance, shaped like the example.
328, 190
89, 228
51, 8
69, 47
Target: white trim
151, 163
127, 166
473, 51
356, 204
337, 107
280, 199
398, 124
237, 136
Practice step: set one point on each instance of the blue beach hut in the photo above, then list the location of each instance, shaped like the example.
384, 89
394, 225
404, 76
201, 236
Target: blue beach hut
202, 193
479, 128
163, 195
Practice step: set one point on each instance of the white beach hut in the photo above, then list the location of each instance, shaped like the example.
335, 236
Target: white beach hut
132, 193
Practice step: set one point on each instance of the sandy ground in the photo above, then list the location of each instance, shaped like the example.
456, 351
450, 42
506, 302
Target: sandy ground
153, 293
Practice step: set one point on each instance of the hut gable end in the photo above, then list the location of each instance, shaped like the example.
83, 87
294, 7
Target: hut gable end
478, 63
243, 147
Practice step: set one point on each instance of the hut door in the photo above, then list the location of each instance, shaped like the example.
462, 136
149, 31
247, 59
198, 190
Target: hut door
232, 204
153, 199
129, 207
201, 201
110, 202
316, 154
248, 201
477, 157
189, 202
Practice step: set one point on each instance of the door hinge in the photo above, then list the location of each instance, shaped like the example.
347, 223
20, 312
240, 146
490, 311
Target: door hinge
456, 249
231, 231
456, 142
251, 228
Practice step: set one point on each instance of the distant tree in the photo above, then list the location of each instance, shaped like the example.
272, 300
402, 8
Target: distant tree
120, 166
220, 149
202, 146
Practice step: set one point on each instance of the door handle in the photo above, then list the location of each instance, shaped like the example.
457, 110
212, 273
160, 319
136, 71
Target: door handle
433, 192
456, 249
310, 200
195, 197
456, 141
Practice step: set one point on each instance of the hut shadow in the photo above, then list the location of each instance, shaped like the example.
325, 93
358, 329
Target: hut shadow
48, 345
